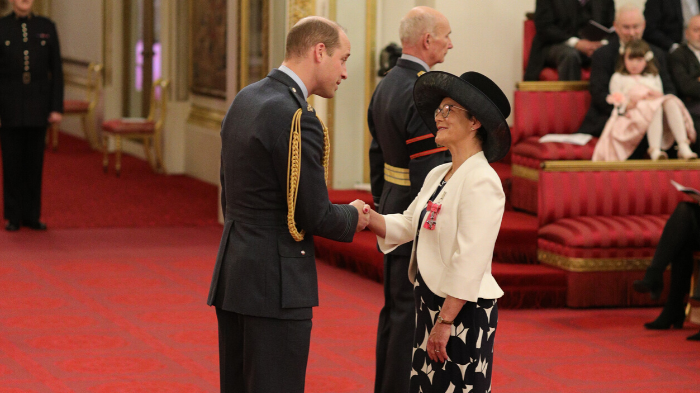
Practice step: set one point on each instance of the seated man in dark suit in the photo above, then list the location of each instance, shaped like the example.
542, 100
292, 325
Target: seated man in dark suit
685, 71
557, 41
665, 21
629, 25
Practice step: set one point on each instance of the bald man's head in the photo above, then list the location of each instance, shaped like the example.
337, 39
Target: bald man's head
425, 33
629, 23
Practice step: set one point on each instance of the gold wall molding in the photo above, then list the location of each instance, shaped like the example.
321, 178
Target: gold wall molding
299, 9
630, 165
206, 117
592, 264
370, 72
552, 85
525, 172
107, 40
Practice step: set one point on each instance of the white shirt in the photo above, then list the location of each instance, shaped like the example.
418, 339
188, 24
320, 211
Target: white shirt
296, 79
695, 51
416, 60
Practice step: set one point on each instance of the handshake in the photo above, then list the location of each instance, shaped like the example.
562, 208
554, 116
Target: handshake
364, 213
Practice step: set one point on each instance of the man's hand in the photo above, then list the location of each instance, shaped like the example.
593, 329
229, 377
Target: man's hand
55, 117
362, 213
587, 47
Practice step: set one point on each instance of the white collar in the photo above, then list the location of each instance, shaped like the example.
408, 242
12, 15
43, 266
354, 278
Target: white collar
296, 79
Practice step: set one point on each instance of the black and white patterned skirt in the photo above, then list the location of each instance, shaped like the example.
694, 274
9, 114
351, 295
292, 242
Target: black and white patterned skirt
469, 349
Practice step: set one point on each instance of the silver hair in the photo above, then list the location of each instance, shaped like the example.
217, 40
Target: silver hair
627, 7
413, 27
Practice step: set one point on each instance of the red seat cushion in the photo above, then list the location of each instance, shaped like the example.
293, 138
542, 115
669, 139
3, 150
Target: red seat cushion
605, 232
75, 106
550, 74
124, 126
537, 152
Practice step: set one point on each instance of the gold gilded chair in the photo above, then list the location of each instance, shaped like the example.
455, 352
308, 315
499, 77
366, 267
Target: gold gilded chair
85, 109
148, 130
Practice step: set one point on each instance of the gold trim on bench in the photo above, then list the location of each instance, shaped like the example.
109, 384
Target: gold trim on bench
206, 117
525, 172
631, 165
592, 264
552, 86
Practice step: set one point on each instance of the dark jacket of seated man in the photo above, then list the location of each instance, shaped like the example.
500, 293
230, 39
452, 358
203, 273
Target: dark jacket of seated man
685, 71
602, 68
556, 21
664, 22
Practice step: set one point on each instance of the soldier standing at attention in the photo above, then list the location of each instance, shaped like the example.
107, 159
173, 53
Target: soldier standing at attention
31, 97
402, 152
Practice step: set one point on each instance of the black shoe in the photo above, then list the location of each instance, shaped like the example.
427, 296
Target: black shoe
12, 226
653, 288
666, 320
694, 337
36, 225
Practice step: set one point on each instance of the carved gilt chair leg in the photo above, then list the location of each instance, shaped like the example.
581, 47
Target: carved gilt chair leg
159, 155
88, 134
118, 161
105, 158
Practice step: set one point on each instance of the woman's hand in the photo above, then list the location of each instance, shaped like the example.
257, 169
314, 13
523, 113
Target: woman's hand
437, 342
376, 223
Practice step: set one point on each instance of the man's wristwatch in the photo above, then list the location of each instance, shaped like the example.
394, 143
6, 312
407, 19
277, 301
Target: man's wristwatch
441, 320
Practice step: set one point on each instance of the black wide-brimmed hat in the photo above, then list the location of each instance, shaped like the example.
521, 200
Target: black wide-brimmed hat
477, 94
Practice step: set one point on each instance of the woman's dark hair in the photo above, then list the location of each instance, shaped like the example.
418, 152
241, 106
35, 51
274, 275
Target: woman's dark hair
480, 132
637, 49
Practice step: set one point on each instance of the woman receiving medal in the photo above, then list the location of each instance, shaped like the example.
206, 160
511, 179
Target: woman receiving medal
454, 222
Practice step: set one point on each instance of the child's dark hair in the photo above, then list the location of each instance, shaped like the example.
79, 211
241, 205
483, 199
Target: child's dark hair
637, 49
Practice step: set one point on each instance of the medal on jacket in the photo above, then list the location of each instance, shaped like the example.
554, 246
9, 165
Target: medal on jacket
433, 210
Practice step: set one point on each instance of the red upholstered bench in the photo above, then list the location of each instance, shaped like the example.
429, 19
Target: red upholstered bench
538, 113
601, 222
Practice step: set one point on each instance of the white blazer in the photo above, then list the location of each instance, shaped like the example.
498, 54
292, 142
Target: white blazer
454, 258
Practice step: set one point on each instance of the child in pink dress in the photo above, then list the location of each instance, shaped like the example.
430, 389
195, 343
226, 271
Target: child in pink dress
640, 108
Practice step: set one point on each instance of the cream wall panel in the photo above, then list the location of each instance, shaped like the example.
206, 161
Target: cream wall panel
80, 33
350, 107
203, 156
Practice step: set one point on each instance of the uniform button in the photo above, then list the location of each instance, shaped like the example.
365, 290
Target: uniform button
43, 43
7, 43
25, 39
26, 52
303, 252
26, 62
26, 68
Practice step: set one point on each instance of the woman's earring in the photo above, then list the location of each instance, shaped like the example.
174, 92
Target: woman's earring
472, 128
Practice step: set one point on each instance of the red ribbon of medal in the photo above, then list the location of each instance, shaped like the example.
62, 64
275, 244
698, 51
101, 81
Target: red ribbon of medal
433, 209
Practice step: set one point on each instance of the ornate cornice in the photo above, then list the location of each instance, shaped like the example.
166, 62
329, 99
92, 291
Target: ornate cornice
552, 86
592, 264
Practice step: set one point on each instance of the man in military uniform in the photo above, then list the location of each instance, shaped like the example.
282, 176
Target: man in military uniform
274, 160
402, 152
31, 97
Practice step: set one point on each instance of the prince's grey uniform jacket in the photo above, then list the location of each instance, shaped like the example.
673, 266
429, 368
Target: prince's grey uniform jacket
260, 269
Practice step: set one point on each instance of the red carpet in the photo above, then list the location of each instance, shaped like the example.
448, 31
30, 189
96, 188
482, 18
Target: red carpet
77, 194
123, 310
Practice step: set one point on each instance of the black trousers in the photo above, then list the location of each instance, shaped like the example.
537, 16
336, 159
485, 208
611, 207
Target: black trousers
567, 60
397, 321
262, 355
679, 239
22, 166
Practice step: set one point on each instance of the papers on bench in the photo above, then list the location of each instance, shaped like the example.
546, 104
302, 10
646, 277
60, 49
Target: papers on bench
574, 139
695, 194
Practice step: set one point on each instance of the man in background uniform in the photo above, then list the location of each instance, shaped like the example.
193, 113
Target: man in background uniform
31, 97
402, 152
274, 162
